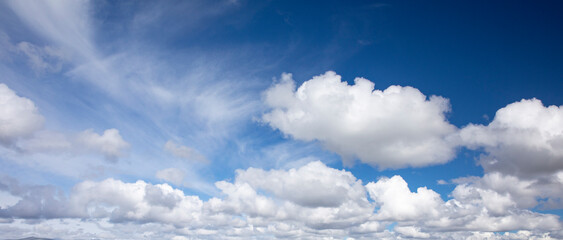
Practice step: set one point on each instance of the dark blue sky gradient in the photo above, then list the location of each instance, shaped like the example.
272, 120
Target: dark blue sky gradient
481, 55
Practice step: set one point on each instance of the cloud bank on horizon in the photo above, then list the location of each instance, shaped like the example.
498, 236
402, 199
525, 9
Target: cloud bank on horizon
107, 131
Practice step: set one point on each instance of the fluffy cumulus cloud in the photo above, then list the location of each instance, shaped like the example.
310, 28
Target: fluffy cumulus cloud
19, 117
399, 203
325, 187
411, 232
110, 143
525, 139
294, 203
501, 191
481, 209
391, 128
137, 201
522, 155
316, 195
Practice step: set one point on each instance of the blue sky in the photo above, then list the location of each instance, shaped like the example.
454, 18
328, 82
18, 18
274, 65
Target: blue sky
281, 119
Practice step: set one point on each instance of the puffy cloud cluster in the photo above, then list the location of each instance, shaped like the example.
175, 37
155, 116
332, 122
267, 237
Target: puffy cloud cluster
522, 150
393, 128
137, 201
474, 206
324, 186
310, 202
522, 156
19, 116
318, 196
400, 127
399, 203
505, 190
482, 209
525, 139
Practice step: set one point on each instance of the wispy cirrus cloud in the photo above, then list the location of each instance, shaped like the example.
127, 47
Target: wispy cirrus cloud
22, 133
184, 152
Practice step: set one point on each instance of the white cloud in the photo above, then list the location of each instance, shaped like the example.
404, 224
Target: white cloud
478, 208
397, 202
137, 201
302, 202
494, 202
250, 208
410, 231
316, 195
442, 182
65, 24
312, 185
25, 143
110, 143
20, 124
393, 128
524, 139
309, 199
522, 159
95, 229
477, 235
7, 200
19, 116
545, 192
173, 175
184, 152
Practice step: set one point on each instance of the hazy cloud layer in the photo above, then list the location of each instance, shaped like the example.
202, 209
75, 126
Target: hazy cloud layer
184, 152
42, 59
172, 175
